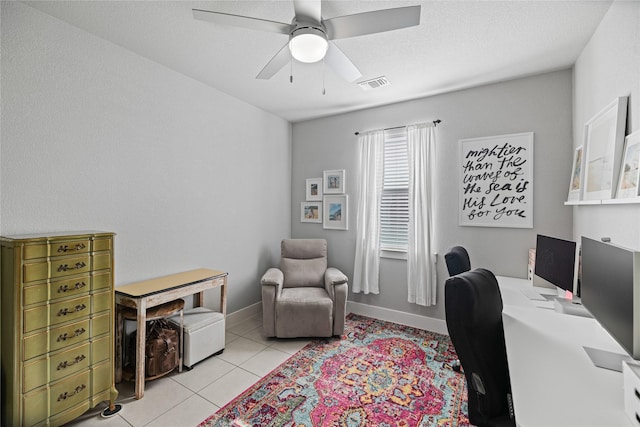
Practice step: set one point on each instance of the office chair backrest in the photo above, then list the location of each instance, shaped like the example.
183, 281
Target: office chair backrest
473, 309
457, 260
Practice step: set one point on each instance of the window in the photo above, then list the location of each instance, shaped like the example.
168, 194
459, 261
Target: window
394, 204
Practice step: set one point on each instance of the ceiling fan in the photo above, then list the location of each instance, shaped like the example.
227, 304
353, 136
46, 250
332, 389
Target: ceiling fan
310, 36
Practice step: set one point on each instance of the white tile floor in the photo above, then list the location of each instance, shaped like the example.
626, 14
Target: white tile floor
185, 399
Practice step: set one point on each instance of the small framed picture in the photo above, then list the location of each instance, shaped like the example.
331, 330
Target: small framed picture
333, 182
314, 189
575, 185
603, 150
311, 212
628, 184
335, 213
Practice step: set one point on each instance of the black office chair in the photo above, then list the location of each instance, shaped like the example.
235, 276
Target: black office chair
473, 309
457, 260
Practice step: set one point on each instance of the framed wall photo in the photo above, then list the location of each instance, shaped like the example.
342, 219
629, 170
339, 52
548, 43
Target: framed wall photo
603, 150
311, 212
629, 182
335, 212
333, 182
575, 184
313, 189
496, 181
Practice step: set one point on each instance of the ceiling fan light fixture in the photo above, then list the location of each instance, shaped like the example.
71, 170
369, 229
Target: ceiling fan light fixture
308, 44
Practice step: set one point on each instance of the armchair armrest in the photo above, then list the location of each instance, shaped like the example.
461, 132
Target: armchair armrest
335, 282
333, 276
271, 284
273, 277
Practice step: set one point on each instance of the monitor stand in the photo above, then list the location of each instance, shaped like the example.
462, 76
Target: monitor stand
607, 359
565, 306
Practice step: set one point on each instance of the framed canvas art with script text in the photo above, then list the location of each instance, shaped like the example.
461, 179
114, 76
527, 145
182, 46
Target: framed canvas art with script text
496, 181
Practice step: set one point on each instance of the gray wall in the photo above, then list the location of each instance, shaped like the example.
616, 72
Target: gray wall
539, 104
609, 67
97, 137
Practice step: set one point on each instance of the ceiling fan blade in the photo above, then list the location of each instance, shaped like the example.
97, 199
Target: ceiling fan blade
276, 63
308, 10
376, 21
241, 21
342, 65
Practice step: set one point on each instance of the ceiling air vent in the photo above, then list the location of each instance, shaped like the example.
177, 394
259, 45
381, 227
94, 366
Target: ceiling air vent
374, 83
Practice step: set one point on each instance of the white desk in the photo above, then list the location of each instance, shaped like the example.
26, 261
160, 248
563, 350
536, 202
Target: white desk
553, 381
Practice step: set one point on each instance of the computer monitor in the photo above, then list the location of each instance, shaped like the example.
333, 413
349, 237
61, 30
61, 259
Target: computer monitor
556, 263
611, 292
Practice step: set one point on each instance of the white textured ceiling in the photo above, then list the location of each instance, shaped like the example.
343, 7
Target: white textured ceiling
458, 44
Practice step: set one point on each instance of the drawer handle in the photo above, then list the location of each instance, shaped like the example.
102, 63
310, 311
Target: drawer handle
77, 266
66, 363
637, 417
66, 288
76, 333
65, 311
66, 394
77, 247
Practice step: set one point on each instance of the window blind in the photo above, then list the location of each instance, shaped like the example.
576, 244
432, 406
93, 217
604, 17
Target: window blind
394, 204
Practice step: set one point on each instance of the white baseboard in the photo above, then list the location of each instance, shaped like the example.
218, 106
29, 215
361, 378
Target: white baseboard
244, 314
395, 316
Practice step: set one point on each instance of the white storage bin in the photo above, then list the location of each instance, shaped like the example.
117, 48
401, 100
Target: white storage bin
631, 375
203, 334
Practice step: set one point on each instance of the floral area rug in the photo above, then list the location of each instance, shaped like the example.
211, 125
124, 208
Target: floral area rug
377, 374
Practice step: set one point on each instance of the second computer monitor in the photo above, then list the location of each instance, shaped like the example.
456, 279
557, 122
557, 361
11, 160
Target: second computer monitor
556, 263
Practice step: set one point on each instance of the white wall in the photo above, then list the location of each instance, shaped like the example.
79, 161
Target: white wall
539, 104
97, 137
607, 68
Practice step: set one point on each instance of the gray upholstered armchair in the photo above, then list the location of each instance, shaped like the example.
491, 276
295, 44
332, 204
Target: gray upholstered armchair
303, 298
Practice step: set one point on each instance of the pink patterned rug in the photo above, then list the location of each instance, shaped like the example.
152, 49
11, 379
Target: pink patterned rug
377, 374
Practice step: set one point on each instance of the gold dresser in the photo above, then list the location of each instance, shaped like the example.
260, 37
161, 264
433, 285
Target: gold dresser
57, 326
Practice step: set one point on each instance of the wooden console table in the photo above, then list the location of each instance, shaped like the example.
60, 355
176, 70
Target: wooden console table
151, 293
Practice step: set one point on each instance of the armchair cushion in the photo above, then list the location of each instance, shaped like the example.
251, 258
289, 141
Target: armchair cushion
303, 262
304, 312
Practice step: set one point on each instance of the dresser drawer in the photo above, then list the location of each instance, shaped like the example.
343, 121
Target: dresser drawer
102, 244
60, 312
100, 349
101, 301
56, 339
60, 396
37, 250
101, 378
33, 271
35, 407
42, 371
101, 260
101, 280
70, 247
101, 324
70, 414
72, 265
70, 392
60, 289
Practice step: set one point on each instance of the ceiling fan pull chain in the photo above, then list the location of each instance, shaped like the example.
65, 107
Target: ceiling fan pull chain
323, 75
291, 71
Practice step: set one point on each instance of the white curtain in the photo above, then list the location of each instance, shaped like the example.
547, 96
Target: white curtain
367, 259
421, 269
